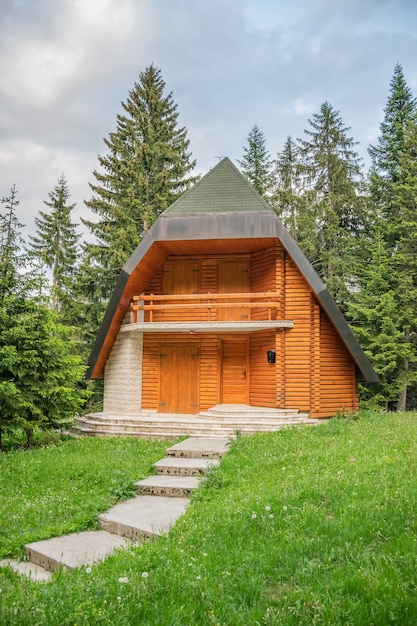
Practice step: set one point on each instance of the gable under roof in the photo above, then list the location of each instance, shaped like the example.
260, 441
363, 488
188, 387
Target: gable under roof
222, 209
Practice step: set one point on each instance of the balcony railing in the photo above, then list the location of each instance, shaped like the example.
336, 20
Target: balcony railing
208, 307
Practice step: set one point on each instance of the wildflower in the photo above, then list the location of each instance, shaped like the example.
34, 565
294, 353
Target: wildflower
253, 515
145, 574
284, 508
123, 579
267, 508
88, 570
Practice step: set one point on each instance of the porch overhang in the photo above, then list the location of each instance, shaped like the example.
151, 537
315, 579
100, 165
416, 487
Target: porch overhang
206, 327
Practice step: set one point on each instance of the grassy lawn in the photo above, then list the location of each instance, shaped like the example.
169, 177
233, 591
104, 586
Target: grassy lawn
303, 526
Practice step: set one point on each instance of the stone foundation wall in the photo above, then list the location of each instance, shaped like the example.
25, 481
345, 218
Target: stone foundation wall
123, 375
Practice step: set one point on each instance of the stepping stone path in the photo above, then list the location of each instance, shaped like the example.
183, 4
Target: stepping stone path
162, 499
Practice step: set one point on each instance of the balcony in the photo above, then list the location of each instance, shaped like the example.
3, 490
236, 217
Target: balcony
205, 312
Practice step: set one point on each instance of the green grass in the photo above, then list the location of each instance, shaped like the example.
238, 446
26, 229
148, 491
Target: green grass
303, 526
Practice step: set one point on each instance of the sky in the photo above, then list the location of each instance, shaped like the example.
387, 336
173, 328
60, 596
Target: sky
67, 65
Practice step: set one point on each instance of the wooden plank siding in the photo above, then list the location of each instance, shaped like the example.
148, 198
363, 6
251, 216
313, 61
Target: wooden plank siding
263, 374
297, 340
263, 278
338, 388
313, 371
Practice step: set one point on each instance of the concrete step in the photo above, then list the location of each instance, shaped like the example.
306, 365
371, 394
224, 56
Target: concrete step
221, 420
35, 572
143, 516
164, 485
245, 410
200, 447
183, 467
74, 550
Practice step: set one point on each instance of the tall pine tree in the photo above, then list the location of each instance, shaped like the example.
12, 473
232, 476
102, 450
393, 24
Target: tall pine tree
256, 164
400, 110
55, 245
147, 167
393, 187
334, 194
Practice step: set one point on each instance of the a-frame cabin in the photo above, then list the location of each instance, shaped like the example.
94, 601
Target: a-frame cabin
218, 305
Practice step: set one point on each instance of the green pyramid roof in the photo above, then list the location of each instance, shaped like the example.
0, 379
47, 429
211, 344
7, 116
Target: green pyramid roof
222, 190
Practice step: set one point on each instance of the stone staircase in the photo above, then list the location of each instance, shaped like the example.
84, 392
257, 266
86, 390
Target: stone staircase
161, 500
219, 421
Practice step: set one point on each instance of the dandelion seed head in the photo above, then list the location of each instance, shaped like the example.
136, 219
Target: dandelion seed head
88, 570
284, 508
145, 574
253, 515
267, 508
123, 579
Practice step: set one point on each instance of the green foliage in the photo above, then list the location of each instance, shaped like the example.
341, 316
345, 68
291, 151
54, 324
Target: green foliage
56, 246
121, 487
392, 340
11, 260
147, 167
400, 110
333, 217
313, 525
39, 368
256, 164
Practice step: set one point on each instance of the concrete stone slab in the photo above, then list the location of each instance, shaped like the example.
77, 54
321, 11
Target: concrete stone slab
183, 466
143, 516
35, 572
75, 550
163, 485
200, 447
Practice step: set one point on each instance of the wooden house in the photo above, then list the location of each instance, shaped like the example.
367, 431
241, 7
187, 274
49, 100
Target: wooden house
219, 306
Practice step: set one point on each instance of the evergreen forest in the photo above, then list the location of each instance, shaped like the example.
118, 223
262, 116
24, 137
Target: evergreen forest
358, 228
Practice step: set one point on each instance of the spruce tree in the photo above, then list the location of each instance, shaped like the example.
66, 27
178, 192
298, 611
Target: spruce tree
392, 185
146, 168
289, 200
400, 110
378, 322
40, 371
11, 260
256, 164
334, 194
56, 246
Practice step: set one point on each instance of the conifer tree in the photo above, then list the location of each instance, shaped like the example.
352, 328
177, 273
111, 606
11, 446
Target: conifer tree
56, 246
334, 195
392, 184
146, 168
400, 110
291, 201
39, 368
10, 246
378, 323
256, 164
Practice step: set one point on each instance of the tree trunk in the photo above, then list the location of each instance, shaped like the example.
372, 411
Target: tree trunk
402, 400
29, 438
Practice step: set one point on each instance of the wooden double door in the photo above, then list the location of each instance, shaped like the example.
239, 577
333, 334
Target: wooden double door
179, 379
